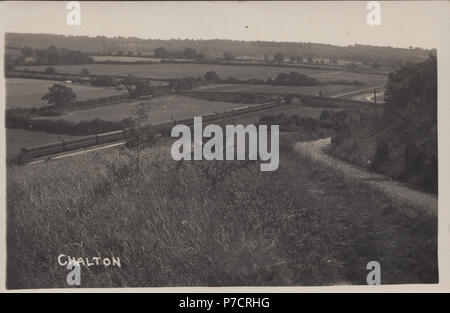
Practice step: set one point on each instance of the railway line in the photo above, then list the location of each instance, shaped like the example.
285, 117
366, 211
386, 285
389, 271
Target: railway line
349, 94
64, 148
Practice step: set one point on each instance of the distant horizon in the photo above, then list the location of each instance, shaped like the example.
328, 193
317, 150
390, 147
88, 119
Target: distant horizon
219, 39
343, 23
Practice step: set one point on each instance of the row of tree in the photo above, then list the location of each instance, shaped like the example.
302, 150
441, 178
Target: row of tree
404, 134
187, 53
50, 56
288, 79
102, 44
61, 126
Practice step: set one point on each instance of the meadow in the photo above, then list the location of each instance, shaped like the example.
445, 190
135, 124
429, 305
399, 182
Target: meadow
27, 93
165, 71
116, 58
270, 89
161, 109
185, 224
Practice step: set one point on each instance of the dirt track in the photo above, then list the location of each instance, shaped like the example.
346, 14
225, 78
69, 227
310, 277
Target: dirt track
395, 190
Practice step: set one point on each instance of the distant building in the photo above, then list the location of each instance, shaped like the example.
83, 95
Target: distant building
296, 101
30, 60
121, 87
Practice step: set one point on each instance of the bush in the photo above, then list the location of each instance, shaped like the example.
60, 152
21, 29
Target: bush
19, 120
295, 79
211, 77
50, 70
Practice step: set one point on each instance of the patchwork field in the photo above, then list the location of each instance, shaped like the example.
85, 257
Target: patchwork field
366, 78
165, 71
27, 93
304, 90
160, 110
115, 58
19, 138
288, 110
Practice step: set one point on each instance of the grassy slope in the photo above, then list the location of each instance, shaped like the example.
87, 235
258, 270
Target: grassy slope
299, 225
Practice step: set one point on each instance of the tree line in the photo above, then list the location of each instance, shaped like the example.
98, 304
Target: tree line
48, 56
404, 133
101, 44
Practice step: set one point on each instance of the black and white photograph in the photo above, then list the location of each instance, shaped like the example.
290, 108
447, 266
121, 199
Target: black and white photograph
222, 143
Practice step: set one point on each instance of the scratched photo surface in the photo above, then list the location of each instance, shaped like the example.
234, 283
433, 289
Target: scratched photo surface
221, 144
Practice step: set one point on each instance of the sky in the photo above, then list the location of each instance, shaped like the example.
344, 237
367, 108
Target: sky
403, 24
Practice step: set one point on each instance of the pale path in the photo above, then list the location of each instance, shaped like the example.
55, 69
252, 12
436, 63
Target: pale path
394, 190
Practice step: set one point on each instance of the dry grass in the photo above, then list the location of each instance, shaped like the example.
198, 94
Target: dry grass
299, 225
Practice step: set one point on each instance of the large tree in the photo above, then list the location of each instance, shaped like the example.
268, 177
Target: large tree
211, 77
278, 57
162, 53
190, 53
228, 56
410, 125
59, 95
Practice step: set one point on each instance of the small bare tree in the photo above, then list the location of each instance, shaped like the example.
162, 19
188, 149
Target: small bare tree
216, 171
141, 132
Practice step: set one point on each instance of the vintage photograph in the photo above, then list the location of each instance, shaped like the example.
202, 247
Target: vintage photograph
221, 144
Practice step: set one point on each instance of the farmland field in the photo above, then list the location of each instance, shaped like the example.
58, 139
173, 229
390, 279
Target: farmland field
161, 110
366, 78
288, 110
166, 71
304, 90
178, 107
19, 138
27, 93
116, 58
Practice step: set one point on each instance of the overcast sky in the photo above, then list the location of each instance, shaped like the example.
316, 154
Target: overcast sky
403, 24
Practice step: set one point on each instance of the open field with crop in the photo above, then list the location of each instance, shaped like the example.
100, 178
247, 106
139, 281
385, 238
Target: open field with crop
165, 71
115, 58
19, 138
181, 107
300, 225
161, 110
302, 90
27, 93
288, 110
